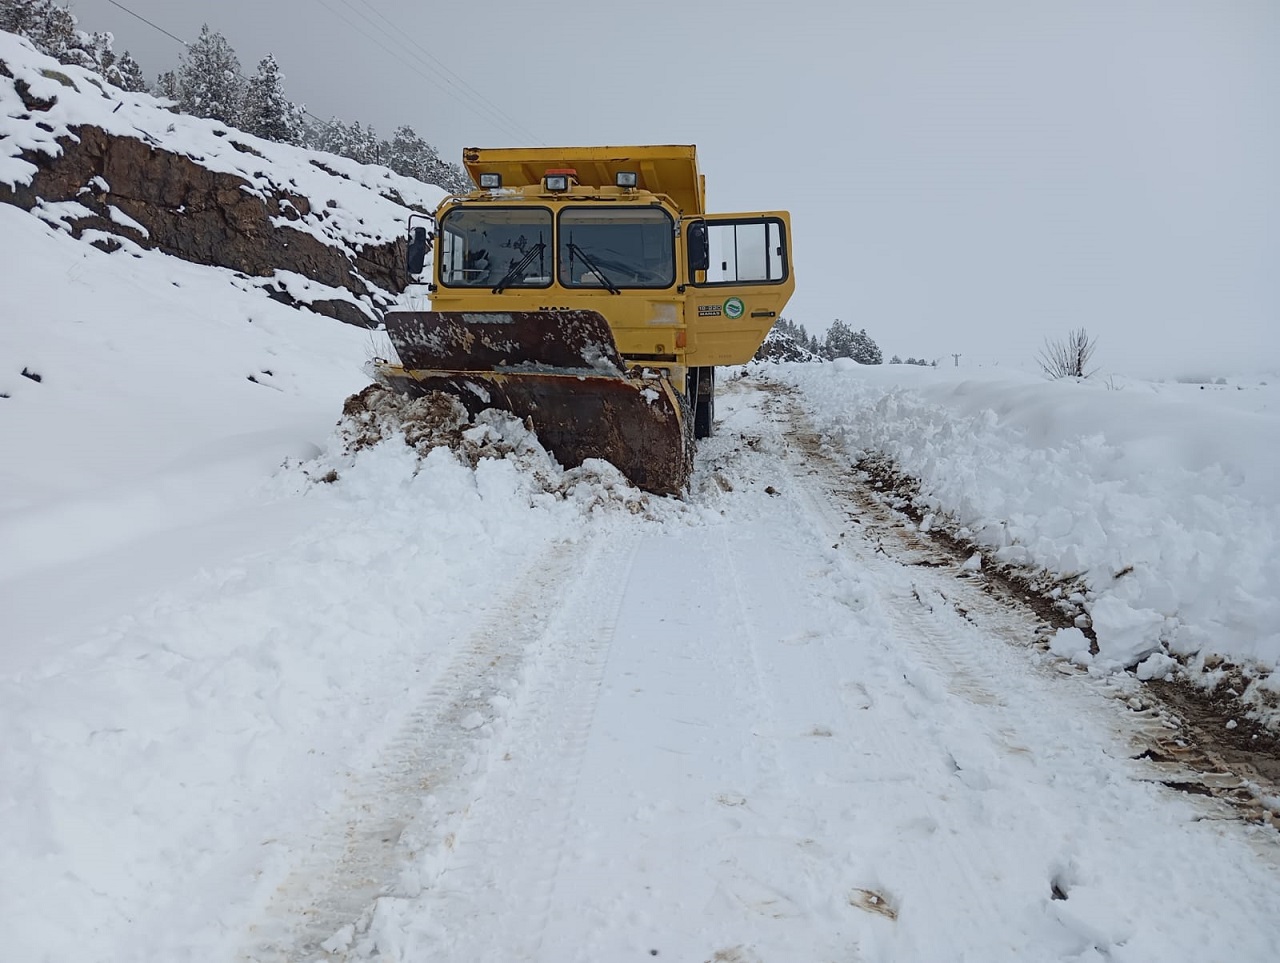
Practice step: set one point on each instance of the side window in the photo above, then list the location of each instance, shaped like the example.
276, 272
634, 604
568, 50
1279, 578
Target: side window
453, 247
747, 251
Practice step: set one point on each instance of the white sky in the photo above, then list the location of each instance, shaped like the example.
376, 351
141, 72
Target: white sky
963, 177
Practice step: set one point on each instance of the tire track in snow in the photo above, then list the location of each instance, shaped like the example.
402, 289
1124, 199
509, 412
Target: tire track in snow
423, 775
937, 663
512, 839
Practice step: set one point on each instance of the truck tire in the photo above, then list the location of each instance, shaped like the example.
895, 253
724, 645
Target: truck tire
704, 407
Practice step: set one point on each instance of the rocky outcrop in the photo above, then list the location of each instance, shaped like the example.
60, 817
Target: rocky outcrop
202, 215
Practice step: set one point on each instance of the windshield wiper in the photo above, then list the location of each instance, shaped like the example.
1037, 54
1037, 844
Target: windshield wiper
517, 270
594, 268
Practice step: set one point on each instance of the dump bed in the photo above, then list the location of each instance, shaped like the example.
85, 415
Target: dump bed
668, 169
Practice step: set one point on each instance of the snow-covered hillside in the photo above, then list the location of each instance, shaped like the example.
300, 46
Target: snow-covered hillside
302, 225
261, 692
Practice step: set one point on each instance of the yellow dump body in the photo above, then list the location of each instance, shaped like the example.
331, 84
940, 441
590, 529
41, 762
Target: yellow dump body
671, 170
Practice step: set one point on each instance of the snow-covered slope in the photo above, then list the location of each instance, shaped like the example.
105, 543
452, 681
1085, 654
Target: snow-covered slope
349, 210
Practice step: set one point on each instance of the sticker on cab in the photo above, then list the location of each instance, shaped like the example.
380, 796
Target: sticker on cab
734, 308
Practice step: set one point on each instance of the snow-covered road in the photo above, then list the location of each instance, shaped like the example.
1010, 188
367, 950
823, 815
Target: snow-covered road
436, 712
773, 725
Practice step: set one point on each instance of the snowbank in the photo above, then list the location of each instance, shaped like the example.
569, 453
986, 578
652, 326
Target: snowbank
1164, 496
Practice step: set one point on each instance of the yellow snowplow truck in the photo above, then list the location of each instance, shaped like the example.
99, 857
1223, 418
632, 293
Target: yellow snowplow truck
587, 290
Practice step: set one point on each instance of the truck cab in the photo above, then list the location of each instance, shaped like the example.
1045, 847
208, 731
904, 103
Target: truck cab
623, 231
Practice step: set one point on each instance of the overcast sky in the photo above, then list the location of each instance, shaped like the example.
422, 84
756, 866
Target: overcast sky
968, 177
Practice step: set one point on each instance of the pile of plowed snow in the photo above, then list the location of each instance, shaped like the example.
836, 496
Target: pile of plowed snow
438, 422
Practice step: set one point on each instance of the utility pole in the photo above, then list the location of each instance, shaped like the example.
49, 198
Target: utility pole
956, 357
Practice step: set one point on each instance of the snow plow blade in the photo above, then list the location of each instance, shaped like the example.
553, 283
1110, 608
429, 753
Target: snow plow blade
560, 371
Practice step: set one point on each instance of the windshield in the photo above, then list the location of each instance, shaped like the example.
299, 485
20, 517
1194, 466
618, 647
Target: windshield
617, 247
491, 246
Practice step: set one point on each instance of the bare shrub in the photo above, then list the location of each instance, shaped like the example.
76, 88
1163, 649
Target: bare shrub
1068, 357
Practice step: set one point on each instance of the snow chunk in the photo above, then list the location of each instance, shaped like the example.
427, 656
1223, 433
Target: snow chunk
1126, 635
1156, 666
1071, 644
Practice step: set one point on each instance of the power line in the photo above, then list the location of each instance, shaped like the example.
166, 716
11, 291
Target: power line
188, 46
139, 16
494, 113
478, 105
449, 75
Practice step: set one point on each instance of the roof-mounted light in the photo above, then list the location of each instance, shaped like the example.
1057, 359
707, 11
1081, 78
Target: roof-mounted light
490, 182
625, 179
557, 181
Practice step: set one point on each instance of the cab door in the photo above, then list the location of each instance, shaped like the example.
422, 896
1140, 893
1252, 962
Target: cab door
739, 280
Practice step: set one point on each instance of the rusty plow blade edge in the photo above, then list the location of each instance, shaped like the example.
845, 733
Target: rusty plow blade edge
562, 372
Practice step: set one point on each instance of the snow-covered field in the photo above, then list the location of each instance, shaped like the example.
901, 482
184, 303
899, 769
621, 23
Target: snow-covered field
433, 711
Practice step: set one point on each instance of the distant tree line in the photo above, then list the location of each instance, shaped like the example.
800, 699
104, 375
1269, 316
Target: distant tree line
789, 341
208, 82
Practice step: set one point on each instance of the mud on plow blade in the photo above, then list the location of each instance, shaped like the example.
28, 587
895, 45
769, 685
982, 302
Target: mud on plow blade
561, 371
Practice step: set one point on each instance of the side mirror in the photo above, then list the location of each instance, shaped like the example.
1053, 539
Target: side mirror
699, 249
417, 257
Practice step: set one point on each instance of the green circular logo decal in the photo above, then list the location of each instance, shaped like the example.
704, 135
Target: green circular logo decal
733, 308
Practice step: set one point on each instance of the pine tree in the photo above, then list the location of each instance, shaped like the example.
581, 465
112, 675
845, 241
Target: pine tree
32, 19
325, 135
449, 176
266, 111
365, 146
126, 74
355, 141
839, 341
209, 80
89, 50
15, 15
864, 350
166, 86
52, 30
408, 154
